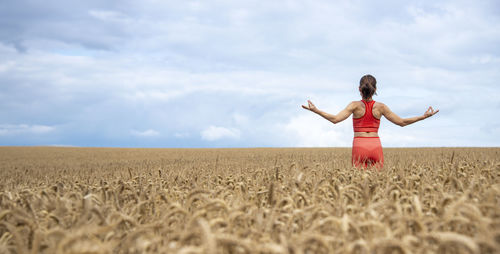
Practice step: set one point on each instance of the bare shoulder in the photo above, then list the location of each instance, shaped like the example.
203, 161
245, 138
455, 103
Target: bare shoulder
379, 109
355, 105
380, 106
357, 108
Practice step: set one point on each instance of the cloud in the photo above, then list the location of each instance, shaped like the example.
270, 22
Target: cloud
308, 130
146, 133
111, 16
182, 134
240, 119
15, 129
213, 133
98, 70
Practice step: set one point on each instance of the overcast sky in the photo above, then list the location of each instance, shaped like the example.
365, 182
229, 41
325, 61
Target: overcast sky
234, 73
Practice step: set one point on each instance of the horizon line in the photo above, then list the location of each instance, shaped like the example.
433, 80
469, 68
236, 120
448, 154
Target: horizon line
249, 147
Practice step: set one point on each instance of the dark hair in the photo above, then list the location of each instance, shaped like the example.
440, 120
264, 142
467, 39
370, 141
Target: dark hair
368, 86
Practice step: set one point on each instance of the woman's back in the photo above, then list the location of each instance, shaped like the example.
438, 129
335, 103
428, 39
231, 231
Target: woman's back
367, 149
360, 109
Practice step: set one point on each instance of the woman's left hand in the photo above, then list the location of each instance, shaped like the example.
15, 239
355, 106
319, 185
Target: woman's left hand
430, 112
310, 106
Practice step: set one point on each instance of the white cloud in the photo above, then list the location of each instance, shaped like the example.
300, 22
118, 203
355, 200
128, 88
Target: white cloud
403, 138
106, 15
146, 133
6, 66
213, 133
309, 130
182, 134
240, 119
11, 129
485, 59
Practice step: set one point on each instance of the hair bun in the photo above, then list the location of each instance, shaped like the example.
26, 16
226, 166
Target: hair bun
368, 86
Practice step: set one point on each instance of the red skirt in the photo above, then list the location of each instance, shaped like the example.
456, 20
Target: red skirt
367, 152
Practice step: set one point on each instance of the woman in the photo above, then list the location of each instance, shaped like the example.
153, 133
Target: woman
366, 147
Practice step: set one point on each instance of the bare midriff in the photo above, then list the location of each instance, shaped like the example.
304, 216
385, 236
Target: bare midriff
366, 134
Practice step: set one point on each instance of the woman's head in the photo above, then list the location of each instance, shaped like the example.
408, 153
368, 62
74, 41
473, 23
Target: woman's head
367, 86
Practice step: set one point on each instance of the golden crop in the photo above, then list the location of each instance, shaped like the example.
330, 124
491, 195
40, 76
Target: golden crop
93, 200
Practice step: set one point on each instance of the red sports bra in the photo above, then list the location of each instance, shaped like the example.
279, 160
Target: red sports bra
366, 123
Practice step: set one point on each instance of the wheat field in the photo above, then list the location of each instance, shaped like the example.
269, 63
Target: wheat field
104, 200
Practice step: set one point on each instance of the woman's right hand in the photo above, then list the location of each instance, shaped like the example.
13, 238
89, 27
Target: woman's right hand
310, 106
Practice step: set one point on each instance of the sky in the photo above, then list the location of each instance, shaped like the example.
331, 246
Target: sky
224, 73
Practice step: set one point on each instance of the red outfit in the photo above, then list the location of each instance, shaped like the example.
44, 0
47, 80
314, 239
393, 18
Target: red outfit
367, 151
366, 123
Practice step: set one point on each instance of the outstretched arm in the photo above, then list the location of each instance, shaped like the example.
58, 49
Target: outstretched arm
341, 116
395, 119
